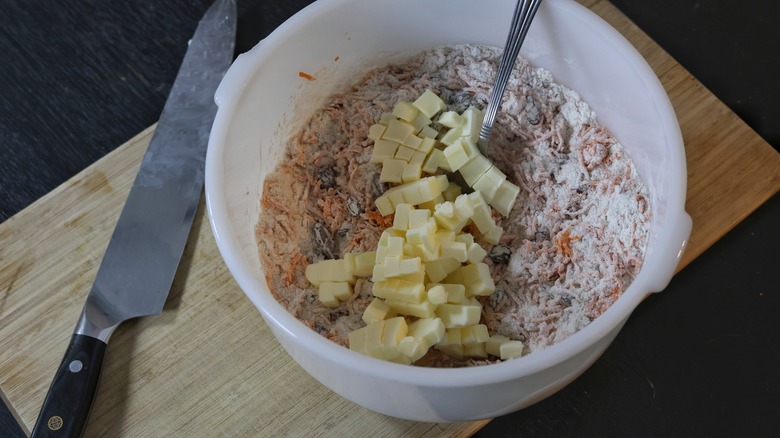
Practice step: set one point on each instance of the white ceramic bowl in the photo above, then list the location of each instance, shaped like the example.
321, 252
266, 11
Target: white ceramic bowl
262, 100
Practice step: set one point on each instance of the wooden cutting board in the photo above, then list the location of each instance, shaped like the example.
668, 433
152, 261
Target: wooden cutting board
208, 365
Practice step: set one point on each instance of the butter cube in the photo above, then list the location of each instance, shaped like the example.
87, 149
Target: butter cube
474, 334
437, 270
494, 235
373, 341
425, 254
429, 103
424, 309
505, 197
412, 141
456, 155
395, 246
404, 153
377, 311
383, 205
456, 293
418, 158
431, 205
412, 348
452, 191
419, 217
420, 122
397, 131
424, 235
400, 290
340, 289
401, 218
474, 169
450, 344
327, 295
405, 267
386, 118
393, 331
426, 145
329, 270
477, 279
458, 315
432, 161
475, 253
488, 183
405, 111
456, 250
411, 172
383, 149
475, 351
466, 238
451, 136
364, 263
428, 132
473, 121
493, 344
482, 218
392, 170
511, 350
375, 131
357, 340
437, 294
451, 119
429, 331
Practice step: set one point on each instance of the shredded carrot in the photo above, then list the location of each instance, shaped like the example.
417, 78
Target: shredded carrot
379, 220
305, 75
289, 269
563, 240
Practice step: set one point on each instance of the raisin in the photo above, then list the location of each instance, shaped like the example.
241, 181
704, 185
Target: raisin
377, 186
354, 207
327, 177
323, 239
500, 253
321, 329
495, 298
566, 299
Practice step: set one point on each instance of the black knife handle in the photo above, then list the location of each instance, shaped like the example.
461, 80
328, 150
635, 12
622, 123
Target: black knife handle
69, 400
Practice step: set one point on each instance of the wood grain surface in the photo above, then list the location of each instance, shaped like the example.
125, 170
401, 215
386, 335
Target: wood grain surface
208, 365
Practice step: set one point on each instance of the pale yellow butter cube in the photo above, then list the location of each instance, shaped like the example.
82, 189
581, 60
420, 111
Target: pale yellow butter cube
327, 296
377, 311
429, 331
404, 267
356, 339
432, 161
418, 158
411, 172
420, 122
395, 246
450, 344
393, 331
456, 250
412, 141
397, 131
392, 170
482, 218
383, 205
421, 310
412, 348
373, 345
428, 132
437, 270
456, 155
451, 119
475, 253
477, 351
466, 238
474, 169
452, 191
401, 218
493, 344
364, 263
400, 290
425, 254
458, 315
452, 135
494, 235
437, 294
456, 293
383, 149
426, 145
429, 103
339, 289
400, 359
396, 197
471, 148
431, 205
376, 130
474, 334
485, 186
329, 270
419, 217
511, 350
473, 121
424, 235
404, 153
505, 197
443, 236
477, 279
405, 111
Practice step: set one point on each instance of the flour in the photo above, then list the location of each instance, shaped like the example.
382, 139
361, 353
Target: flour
573, 242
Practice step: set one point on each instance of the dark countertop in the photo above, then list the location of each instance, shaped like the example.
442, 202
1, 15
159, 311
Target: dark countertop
699, 359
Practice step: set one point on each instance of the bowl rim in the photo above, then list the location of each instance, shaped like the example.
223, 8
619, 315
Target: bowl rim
277, 316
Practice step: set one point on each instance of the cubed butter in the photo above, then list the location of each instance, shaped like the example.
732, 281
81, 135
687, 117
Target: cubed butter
437, 294
405, 111
429, 104
392, 170
397, 131
458, 315
377, 311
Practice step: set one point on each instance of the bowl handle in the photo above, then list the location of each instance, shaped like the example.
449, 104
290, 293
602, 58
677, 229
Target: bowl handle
672, 252
239, 73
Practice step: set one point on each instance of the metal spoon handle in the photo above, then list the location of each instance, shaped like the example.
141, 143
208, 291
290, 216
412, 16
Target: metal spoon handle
521, 21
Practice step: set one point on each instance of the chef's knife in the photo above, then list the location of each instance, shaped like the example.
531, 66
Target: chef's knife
140, 262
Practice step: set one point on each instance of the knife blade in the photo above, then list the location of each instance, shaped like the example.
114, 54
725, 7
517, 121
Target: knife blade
142, 257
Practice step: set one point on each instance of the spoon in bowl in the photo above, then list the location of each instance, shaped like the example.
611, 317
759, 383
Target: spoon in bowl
521, 21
